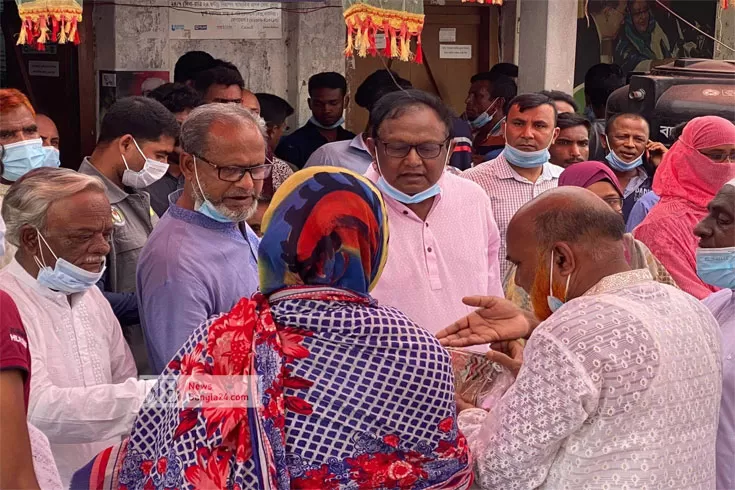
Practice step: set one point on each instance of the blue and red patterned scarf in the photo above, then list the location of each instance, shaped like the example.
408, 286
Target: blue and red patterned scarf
342, 393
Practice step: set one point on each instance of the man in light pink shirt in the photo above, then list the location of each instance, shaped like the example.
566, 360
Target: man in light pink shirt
443, 238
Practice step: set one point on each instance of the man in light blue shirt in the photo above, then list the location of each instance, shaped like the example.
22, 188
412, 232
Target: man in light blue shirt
201, 258
350, 154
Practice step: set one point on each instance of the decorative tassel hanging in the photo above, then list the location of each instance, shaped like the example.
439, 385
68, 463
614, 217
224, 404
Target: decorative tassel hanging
45, 21
397, 20
419, 51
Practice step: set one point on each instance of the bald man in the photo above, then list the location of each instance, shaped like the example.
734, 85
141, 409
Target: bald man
620, 382
250, 101
716, 267
47, 130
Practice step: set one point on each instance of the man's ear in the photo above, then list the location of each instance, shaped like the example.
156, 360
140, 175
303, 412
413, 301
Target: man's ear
186, 164
346, 102
603, 141
370, 144
125, 142
556, 135
564, 258
28, 238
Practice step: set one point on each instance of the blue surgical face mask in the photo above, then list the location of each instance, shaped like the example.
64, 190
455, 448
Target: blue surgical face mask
526, 159
617, 164
24, 156
483, 118
316, 123
716, 266
207, 208
65, 277
402, 197
554, 302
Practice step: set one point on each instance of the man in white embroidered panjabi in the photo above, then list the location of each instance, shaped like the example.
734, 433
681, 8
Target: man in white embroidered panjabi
83, 394
619, 386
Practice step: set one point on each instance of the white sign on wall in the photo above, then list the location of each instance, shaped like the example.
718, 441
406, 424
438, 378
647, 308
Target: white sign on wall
216, 19
43, 68
455, 51
448, 35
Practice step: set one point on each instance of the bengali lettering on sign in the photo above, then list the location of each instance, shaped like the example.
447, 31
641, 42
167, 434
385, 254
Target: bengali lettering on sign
214, 19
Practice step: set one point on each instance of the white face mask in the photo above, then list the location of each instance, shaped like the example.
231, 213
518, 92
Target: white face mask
152, 171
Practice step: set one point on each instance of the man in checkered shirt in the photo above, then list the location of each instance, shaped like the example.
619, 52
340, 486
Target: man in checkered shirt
522, 171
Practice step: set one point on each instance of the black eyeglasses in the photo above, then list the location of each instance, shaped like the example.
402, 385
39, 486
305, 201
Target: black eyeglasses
425, 150
719, 156
614, 202
235, 173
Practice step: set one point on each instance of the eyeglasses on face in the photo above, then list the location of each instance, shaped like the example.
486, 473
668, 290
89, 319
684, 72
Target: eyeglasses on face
719, 156
614, 202
236, 173
425, 150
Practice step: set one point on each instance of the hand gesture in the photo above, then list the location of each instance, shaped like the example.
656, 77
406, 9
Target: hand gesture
656, 151
496, 319
508, 353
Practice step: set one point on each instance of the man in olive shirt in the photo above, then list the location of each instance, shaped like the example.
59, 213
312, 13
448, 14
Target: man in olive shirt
136, 137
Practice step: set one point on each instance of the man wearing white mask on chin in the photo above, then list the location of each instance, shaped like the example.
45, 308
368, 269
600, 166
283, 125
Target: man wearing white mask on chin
522, 171
201, 258
716, 267
84, 395
431, 265
136, 137
22, 147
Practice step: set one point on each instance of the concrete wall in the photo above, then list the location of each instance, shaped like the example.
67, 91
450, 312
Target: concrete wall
725, 32
136, 38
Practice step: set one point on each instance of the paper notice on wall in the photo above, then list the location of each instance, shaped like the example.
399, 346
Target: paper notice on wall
43, 68
448, 35
215, 19
380, 40
455, 51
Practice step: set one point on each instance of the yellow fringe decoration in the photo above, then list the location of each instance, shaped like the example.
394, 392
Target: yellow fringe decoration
45, 21
405, 49
350, 45
364, 20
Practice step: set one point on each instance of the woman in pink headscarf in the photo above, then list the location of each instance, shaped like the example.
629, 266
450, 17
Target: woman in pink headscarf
691, 173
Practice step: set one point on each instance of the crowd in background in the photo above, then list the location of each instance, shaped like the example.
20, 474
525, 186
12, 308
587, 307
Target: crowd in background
203, 239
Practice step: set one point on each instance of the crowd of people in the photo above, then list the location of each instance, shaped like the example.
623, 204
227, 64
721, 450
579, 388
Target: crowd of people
212, 300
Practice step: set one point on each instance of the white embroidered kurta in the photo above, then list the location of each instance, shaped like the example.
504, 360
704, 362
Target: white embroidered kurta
84, 395
620, 388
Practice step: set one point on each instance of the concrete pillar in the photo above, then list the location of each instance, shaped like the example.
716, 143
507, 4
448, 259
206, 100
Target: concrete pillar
725, 32
547, 43
134, 36
315, 43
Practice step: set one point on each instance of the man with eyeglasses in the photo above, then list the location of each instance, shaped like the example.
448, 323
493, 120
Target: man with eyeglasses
202, 257
444, 241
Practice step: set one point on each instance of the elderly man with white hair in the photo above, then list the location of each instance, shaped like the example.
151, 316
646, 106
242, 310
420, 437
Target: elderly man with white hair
84, 394
201, 257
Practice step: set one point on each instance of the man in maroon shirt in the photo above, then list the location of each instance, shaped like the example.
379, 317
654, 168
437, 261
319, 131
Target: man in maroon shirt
16, 460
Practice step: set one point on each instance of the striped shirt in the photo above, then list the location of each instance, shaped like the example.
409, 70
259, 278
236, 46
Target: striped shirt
509, 191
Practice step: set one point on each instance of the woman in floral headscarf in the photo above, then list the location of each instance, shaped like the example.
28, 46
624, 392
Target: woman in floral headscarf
691, 173
342, 393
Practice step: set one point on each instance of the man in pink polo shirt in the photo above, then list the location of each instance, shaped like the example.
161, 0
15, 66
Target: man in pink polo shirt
443, 238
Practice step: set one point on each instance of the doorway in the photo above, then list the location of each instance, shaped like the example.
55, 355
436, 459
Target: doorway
470, 31
59, 81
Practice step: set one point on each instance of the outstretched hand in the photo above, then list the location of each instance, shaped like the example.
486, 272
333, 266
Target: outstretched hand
495, 319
